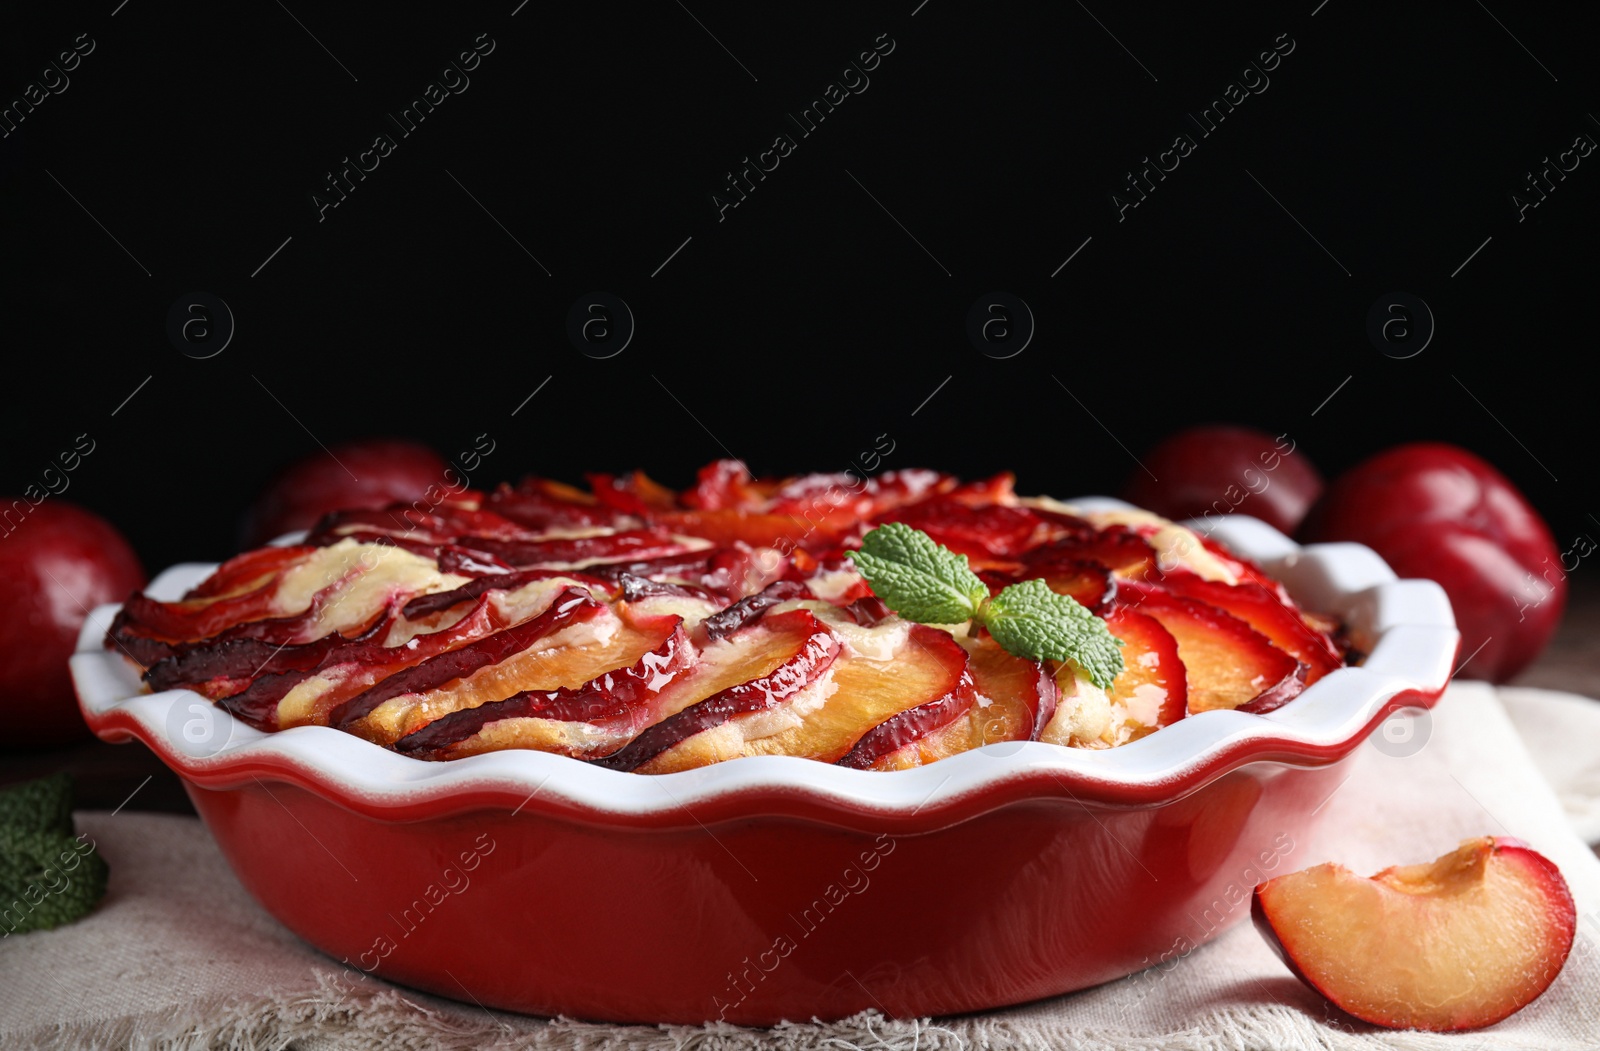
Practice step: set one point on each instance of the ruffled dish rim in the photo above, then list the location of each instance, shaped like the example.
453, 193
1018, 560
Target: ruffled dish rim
1405, 627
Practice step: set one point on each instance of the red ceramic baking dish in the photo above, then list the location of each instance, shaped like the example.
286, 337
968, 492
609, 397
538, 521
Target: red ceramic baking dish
773, 887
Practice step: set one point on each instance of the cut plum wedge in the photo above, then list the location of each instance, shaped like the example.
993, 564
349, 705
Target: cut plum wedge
1013, 700
1262, 610
1457, 943
756, 671
1228, 664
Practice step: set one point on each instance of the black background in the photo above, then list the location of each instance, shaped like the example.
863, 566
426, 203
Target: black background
808, 321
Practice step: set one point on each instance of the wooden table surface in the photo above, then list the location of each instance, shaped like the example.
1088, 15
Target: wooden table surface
109, 776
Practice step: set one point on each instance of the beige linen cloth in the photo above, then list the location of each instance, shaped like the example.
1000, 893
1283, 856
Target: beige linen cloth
179, 956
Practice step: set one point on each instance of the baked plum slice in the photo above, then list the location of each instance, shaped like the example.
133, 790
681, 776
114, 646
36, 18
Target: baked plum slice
861, 498
1228, 663
579, 641
1152, 690
750, 608
982, 532
635, 493
248, 571
614, 705
638, 589
1262, 610
231, 662
439, 525
1013, 700
727, 525
936, 667
621, 720
872, 705
324, 589
1120, 549
185, 661
1086, 580
542, 504
727, 485
628, 545
347, 666
438, 601
755, 671
187, 620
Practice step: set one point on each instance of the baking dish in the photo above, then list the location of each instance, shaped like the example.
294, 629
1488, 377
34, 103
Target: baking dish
773, 887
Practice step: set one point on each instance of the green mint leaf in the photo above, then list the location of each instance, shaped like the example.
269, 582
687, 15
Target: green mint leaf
44, 805
917, 577
46, 879
1030, 620
922, 580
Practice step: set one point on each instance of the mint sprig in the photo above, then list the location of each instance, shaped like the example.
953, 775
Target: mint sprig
48, 876
1030, 620
918, 577
922, 580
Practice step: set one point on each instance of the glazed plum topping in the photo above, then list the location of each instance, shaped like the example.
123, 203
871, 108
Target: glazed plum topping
650, 630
